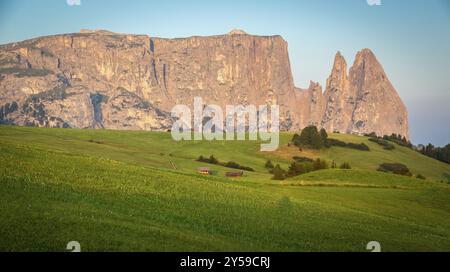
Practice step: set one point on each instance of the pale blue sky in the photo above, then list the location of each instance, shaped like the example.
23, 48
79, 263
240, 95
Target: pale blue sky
411, 38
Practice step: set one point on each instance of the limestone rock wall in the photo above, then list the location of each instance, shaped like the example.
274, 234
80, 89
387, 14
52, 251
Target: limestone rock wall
100, 79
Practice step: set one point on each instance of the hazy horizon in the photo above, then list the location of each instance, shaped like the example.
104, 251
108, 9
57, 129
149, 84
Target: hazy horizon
409, 37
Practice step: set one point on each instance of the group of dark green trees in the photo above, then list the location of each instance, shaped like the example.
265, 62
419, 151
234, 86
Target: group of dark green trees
301, 167
439, 153
311, 137
396, 138
230, 164
395, 168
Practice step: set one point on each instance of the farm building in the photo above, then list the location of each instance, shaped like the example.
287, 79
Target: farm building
204, 170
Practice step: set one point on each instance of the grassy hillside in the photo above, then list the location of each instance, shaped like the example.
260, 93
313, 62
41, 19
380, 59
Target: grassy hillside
416, 162
120, 190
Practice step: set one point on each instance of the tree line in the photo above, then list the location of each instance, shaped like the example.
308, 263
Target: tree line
311, 137
439, 153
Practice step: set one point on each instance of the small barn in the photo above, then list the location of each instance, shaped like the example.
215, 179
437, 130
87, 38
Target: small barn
234, 174
204, 170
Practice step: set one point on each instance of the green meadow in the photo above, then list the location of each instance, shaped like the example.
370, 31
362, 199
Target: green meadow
140, 191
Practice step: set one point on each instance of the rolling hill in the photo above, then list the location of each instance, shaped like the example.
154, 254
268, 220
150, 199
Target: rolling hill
139, 191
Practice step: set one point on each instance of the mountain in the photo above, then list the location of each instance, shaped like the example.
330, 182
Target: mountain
364, 100
101, 79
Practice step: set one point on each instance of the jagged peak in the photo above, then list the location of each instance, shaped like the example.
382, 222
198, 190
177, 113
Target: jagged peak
339, 70
366, 59
365, 53
339, 60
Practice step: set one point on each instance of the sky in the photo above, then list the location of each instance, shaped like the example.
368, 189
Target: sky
411, 38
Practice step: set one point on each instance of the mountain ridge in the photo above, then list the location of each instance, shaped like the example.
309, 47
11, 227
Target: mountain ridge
136, 79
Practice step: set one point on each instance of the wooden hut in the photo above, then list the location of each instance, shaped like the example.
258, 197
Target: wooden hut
204, 170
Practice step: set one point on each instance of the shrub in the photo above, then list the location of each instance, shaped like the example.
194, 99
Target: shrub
372, 135
246, 168
320, 164
345, 165
395, 168
361, 146
230, 164
96, 141
333, 164
334, 142
300, 168
269, 165
211, 159
235, 165
419, 176
278, 173
296, 168
302, 159
385, 144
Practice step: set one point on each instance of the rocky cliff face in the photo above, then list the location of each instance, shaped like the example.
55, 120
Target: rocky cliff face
99, 79
364, 101
377, 105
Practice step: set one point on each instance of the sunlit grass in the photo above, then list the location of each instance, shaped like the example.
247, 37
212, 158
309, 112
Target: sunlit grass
115, 191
